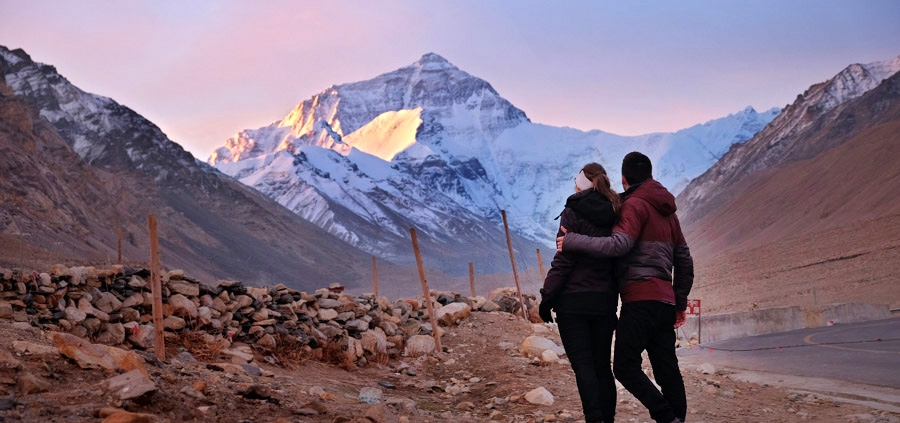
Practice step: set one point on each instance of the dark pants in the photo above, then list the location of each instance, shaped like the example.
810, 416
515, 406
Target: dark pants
648, 325
587, 340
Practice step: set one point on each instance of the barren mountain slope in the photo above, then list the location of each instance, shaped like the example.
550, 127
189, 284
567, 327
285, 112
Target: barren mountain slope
80, 165
822, 230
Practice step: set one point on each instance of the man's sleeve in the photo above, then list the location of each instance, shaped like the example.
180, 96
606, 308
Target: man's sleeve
625, 234
684, 269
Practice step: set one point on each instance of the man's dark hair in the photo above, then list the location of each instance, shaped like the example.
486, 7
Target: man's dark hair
636, 168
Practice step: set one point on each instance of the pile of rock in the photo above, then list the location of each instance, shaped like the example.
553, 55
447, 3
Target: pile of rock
114, 307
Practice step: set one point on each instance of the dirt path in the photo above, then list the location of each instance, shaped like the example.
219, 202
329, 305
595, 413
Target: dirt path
481, 377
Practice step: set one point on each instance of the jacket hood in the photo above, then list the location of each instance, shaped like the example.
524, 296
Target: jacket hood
593, 207
654, 193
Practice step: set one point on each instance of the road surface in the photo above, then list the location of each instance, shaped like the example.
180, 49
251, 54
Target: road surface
862, 359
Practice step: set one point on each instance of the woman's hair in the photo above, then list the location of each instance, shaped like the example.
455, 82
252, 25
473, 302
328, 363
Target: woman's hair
597, 175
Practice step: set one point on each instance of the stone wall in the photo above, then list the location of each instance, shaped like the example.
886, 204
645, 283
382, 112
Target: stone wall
113, 307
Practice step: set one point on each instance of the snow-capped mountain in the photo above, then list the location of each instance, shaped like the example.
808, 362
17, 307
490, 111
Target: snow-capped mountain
433, 147
786, 139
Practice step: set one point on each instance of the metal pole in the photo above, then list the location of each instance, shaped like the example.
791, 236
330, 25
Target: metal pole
512, 260
699, 325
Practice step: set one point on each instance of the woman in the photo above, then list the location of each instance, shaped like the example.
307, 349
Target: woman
583, 293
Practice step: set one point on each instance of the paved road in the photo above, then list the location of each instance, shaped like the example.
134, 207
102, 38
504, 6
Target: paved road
865, 353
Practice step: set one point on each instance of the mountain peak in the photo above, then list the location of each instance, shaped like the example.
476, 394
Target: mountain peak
434, 61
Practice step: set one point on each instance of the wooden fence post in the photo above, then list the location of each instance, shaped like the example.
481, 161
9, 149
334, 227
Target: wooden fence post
375, 276
156, 290
472, 278
119, 245
512, 260
541, 265
435, 327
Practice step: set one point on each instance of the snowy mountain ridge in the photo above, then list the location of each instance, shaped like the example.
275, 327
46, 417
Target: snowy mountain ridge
779, 142
433, 147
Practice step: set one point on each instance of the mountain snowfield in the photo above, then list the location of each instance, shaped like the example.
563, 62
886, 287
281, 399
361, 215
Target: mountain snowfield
430, 146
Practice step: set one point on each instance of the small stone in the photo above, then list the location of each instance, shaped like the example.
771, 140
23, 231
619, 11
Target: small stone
28, 348
380, 414
183, 306
191, 392
6, 310
539, 396
142, 336
466, 406
28, 384
174, 323
122, 416
536, 345
107, 302
185, 288
268, 342
327, 314
452, 313
506, 345
113, 335
370, 395
420, 345
258, 392
706, 369
549, 356
132, 385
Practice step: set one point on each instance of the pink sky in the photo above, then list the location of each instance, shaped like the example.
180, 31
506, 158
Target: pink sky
203, 70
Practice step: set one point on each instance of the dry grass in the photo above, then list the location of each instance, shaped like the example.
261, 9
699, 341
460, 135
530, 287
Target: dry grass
194, 343
291, 351
337, 354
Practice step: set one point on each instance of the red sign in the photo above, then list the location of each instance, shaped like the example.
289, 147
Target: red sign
693, 307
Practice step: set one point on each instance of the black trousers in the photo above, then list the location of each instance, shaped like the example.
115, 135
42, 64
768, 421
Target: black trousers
648, 325
587, 340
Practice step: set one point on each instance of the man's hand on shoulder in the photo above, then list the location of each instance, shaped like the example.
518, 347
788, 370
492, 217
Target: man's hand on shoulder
560, 239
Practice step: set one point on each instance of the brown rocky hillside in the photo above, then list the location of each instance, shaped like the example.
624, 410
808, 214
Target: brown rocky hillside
819, 230
64, 204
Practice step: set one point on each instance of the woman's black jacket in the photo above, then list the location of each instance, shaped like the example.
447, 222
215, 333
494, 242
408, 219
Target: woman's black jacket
578, 283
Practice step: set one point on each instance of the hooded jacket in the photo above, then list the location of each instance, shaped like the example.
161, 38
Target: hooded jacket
648, 237
577, 282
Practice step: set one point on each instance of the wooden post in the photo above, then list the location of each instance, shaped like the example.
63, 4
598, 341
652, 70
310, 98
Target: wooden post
512, 260
375, 276
472, 278
541, 265
156, 290
434, 324
119, 245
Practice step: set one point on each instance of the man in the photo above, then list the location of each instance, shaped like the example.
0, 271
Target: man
649, 238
